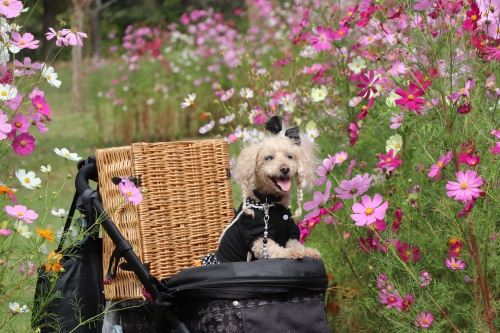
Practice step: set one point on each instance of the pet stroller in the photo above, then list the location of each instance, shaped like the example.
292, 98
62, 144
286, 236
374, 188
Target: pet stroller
187, 205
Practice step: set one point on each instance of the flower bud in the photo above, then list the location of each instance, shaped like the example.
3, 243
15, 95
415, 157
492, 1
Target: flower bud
68, 176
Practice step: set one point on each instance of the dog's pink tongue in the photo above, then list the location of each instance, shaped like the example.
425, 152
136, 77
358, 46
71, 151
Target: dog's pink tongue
284, 183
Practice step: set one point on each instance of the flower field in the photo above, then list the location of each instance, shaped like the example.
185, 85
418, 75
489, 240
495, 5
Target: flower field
400, 97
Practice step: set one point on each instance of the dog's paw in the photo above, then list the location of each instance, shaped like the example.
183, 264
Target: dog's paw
310, 252
294, 254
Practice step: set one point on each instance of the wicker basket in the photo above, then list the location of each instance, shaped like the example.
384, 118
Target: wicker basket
187, 205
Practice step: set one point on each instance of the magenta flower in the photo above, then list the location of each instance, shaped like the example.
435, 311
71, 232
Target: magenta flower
410, 100
27, 67
11, 8
22, 213
26, 41
365, 108
5, 126
463, 92
458, 264
5, 232
425, 279
424, 320
60, 40
23, 144
407, 252
389, 161
341, 33
129, 191
73, 37
322, 40
467, 187
441, 162
408, 301
391, 300
492, 52
396, 120
473, 15
323, 170
20, 123
354, 187
368, 85
397, 223
41, 105
318, 199
368, 211
423, 4
467, 208
353, 133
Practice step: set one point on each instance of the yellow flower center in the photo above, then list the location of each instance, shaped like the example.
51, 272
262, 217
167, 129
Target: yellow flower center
407, 253
349, 14
320, 94
340, 159
6, 3
341, 33
397, 145
17, 124
369, 211
440, 164
4, 93
388, 159
20, 214
22, 42
27, 180
425, 321
20, 230
128, 193
391, 299
22, 143
473, 17
67, 154
463, 185
411, 97
39, 106
454, 265
47, 76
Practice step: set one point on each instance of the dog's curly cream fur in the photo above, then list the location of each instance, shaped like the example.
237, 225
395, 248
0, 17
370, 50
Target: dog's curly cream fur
257, 168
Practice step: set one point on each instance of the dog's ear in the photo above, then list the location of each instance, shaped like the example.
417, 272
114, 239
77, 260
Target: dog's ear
307, 163
244, 169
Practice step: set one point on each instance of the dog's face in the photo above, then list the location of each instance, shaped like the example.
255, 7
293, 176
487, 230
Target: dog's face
276, 167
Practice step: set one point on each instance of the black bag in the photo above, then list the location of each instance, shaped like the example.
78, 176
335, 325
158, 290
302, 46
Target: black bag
263, 296
80, 287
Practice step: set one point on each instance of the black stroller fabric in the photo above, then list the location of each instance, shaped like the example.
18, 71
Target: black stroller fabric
263, 296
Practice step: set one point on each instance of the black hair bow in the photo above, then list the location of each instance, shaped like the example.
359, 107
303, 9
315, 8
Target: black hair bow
274, 126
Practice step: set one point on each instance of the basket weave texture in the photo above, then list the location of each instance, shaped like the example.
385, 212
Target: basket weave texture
187, 205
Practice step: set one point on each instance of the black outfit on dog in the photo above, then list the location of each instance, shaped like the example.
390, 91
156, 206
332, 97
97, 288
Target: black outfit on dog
238, 239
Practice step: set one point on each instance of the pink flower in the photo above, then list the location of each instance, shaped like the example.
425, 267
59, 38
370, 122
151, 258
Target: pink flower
425, 279
321, 42
391, 300
60, 40
467, 187
423, 4
73, 36
368, 211
424, 320
5, 232
352, 164
41, 105
463, 92
354, 187
323, 170
25, 41
408, 301
5, 126
455, 264
227, 95
405, 252
27, 67
340, 157
23, 144
389, 161
20, 123
473, 15
27, 267
365, 108
410, 100
492, 52
22, 213
455, 249
38, 121
441, 162
467, 208
397, 223
396, 120
368, 85
11, 8
129, 191
318, 199
382, 280
353, 133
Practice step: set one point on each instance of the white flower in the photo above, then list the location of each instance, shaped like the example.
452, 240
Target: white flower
66, 154
28, 180
59, 213
319, 94
188, 101
395, 143
288, 102
23, 229
308, 52
312, 133
357, 65
43, 249
46, 169
7, 92
150, 101
389, 101
243, 108
51, 76
16, 308
246, 93
355, 101
72, 234
4, 56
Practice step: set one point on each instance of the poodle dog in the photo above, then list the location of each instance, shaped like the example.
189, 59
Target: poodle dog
264, 226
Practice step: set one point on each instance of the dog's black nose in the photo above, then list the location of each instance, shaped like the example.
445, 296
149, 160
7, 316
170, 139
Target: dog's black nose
284, 169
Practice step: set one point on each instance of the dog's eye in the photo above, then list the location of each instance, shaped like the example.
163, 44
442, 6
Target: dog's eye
269, 158
290, 157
